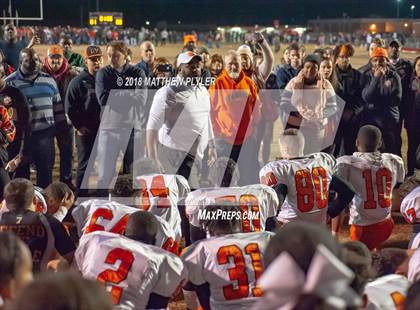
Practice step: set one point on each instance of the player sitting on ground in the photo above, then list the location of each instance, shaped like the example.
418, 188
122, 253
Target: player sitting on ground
410, 206
373, 176
226, 267
41, 232
258, 203
161, 193
103, 215
138, 274
303, 182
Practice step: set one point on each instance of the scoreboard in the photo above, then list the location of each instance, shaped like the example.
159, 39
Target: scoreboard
106, 19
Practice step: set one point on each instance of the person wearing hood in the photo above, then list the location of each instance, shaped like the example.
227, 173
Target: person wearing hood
382, 93
57, 66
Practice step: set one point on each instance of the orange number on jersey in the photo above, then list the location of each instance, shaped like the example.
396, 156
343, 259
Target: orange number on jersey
158, 189
245, 201
410, 216
398, 300
238, 273
383, 187
305, 183
269, 179
106, 214
126, 259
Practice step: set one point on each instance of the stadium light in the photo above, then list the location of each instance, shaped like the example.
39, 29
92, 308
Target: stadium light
412, 11
398, 8
147, 23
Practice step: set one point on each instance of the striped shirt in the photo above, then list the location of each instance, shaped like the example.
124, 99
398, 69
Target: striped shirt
43, 97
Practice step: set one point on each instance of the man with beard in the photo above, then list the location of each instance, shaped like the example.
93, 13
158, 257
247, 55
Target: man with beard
11, 46
47, 113
382, 94
179, 128
236, 112
58, 68
74, 59
84, 111
349, 90
404, 69
148, 54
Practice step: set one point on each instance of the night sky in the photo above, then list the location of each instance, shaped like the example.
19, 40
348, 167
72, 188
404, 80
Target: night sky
214, 12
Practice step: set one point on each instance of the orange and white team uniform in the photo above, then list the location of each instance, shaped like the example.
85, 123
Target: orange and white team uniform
373, 177
160, 194
231, 265
129, 269
307, 180
387, 292
103, 215
257, 203
410, 209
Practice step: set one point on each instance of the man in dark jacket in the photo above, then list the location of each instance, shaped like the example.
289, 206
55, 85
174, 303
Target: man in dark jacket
376, 42
288, 71
148, 55
84, 111
404, 69
382, 94
350, 90
125, 110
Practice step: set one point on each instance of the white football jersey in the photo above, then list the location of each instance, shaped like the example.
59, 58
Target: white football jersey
373, 176
104, 215
160, 196
130, 270
387, 292
410, 206
307, 180
257, 202
231, 264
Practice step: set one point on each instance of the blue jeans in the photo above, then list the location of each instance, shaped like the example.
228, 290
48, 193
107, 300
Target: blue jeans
65, 145
43, 152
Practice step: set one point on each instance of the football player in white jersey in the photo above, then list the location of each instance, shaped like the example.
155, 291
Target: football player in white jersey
410, 209
109, 215
137, 274
373, 176
160, 194
387, 292
258, 202
225, 267
303, 182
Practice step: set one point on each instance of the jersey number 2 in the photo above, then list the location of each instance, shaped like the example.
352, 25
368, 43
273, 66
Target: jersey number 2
116, 276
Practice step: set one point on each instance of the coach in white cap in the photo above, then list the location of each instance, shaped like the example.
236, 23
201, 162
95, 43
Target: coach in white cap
179, 128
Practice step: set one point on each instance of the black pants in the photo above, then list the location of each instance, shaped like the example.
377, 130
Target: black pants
4, 176
13, 149
390, 129
345, 138
413, 137
84, 146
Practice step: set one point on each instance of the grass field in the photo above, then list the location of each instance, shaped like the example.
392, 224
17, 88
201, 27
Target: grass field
401, 232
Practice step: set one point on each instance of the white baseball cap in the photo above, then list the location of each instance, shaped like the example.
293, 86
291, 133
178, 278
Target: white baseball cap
186, 57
